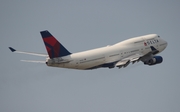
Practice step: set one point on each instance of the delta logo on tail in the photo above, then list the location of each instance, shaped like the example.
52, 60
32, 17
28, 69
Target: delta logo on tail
53, 47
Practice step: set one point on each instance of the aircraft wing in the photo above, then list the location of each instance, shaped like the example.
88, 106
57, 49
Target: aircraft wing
126, 61
30, 53
136, 57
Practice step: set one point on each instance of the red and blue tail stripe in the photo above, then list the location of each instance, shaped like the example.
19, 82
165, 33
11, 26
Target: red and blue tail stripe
53, 47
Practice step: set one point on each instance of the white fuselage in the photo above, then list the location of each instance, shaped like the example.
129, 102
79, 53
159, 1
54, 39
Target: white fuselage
106, 55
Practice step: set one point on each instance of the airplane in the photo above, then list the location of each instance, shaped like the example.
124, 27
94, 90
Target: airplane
143, 48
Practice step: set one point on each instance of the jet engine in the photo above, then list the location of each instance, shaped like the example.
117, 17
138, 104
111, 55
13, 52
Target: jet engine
154, 60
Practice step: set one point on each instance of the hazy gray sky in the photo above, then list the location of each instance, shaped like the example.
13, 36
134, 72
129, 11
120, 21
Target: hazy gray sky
84, 25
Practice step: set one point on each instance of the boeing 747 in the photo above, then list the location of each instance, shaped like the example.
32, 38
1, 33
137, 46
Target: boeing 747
144, 48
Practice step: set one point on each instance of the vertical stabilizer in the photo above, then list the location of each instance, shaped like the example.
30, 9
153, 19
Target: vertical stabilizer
54, 48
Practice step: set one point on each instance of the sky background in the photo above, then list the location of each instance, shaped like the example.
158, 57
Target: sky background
79, 26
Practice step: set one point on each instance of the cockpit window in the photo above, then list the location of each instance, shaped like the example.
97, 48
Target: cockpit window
158, 36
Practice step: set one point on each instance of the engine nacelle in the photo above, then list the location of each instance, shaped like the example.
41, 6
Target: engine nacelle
154, 60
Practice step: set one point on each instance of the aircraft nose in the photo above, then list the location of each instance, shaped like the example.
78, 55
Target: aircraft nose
165, 43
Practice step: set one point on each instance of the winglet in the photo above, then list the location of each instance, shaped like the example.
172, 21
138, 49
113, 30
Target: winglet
12, 49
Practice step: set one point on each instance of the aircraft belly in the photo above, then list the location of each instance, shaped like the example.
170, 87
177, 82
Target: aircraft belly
76, 66
90, 64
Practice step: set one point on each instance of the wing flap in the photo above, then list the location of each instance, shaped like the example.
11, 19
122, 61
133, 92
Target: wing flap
126, 61
122, 63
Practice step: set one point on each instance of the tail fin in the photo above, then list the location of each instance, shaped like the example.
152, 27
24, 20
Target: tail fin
53, 47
